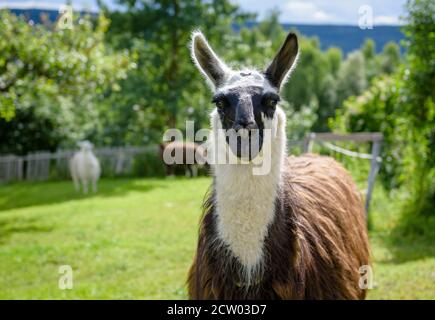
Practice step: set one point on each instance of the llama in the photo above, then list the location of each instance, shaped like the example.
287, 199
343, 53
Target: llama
84, 167
198, 153
297, 232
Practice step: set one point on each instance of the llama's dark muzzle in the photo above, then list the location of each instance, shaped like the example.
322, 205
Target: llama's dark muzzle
245, 143
246, 125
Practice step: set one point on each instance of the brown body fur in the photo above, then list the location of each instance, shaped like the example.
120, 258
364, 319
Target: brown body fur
314, 247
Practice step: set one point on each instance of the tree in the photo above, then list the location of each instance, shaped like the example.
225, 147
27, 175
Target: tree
334, 57
370, 59
165, 89
420, 105
306, 80
390, 58
51, 81
351, 76
376, 110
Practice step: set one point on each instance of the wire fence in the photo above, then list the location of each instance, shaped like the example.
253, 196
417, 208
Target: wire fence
375, 138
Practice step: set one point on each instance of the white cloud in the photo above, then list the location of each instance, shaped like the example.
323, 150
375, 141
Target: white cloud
321, 16
29, 5
386, 20
49, 5
299, 7
326, 11
304, 12
386, 12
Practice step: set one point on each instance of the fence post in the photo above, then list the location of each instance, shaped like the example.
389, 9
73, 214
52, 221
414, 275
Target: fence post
20, 168
374, 166
46, 164
308, 142
29, 166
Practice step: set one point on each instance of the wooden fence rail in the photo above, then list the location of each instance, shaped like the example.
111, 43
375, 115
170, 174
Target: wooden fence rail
40, 165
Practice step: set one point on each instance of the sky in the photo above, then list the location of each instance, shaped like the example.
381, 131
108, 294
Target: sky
344, 12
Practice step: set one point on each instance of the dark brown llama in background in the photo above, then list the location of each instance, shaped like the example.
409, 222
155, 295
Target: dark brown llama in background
191, 169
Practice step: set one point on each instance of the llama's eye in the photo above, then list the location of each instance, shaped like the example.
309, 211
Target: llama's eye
271, 103
270, 100
220, 104
220, 101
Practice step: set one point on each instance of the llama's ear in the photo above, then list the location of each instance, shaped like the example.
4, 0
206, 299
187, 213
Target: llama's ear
207, 61
284, 62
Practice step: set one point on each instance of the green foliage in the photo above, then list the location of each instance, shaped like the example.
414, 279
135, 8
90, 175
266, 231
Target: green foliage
299, 122
390, 58
334, 57
307, 80
352, 79
124, 84
165, 90
148, 165
55, 77
402, 107
419, 107
376, 111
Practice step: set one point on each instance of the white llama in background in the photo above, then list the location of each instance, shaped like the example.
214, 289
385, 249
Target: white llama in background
85, 167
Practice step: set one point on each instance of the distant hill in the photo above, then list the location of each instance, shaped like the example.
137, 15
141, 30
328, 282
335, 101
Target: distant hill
36, 14
347, 38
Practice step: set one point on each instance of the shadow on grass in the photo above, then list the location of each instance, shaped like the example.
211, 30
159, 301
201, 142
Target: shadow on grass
26, 194
20, 225
413, 238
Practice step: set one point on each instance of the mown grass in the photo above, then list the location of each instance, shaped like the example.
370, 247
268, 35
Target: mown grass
403, 250
135, 239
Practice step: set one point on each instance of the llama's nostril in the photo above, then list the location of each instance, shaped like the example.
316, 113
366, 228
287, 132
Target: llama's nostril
245, 125
244, 133
251, 125
244, 130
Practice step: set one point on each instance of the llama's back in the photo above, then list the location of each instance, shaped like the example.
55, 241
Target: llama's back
199, 152
314, 248
330, 224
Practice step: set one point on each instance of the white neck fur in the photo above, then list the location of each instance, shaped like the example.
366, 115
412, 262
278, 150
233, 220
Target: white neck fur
245, 203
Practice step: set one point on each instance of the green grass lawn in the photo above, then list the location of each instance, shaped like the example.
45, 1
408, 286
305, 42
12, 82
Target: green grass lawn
135, 239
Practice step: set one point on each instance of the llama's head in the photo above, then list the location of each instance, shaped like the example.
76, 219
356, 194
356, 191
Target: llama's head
85, 145
245, 99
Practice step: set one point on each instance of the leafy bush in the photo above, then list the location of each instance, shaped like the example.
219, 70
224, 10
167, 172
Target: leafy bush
402, 107
148, 164
51, 81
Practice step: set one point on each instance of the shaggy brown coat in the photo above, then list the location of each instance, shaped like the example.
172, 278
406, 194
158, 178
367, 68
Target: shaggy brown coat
314, 247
